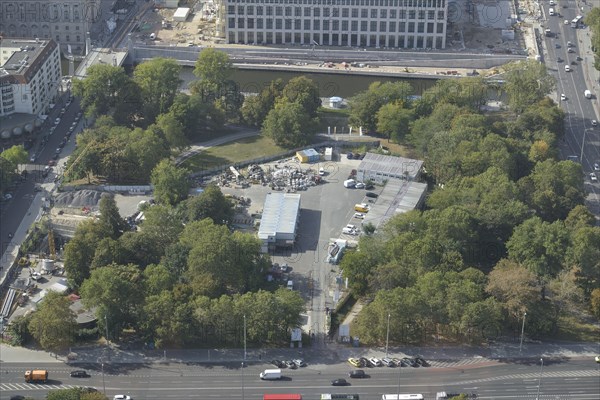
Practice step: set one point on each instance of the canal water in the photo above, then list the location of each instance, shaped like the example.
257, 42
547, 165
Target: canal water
341, 85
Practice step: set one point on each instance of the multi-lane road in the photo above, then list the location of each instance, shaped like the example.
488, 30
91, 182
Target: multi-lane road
581, 139
557, 379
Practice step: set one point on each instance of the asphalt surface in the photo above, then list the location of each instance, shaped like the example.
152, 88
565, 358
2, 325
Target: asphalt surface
581, 139
13, 212
557, 379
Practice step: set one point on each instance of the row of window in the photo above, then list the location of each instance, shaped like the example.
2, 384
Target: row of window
339, 39
13, 11
327, 12
371, 3
326, 25
24, 28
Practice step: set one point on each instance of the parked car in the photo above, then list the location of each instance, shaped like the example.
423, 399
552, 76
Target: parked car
594, 122
79, 373
563, 97
32, 158
340, 382
359, 215
398, 362
596, 167
299, 362
365, 362
122, 397
597, 359
421, 361
570, 50
350, 156
57, 121
290, 364
58, 150
278, 363
357, 374
355, 362
360, 185
376, 361
372, 195
593, 177
388, 362
407, 362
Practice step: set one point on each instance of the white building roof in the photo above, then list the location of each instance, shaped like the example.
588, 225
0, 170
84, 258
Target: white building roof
280, 214
390, 165
181, 12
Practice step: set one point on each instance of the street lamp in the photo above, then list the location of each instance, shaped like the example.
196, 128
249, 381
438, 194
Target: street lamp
106, 328
537, 397
522, 332
103, 383
387, 335
242, 380
244, 341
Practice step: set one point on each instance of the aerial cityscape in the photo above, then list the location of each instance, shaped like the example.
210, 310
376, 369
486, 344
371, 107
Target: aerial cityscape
299, 199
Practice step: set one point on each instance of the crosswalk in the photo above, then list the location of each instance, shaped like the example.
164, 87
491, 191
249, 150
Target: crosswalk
31, 386
551, 374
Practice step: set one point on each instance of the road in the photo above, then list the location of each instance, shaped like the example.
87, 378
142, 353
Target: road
581, 139
13, 212
572, 379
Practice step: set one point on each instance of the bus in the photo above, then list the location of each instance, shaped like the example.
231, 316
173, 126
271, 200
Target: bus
402, 397
576, 21
339, 396
286, 396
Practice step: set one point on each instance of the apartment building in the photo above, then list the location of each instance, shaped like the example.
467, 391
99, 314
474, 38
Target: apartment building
405, 24
30, 74
65, 21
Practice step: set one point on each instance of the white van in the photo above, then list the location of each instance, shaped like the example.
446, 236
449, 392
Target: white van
290, 285
567, 68
153, 35
551, 12
270, 374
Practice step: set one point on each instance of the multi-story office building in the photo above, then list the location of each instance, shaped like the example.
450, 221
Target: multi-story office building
65, 21
411, 24
30, 74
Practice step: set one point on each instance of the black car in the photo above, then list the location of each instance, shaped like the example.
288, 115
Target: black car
421, 361
278, 363
340, 382
17, 397
290, 364
79, 373
364, 362
357, 373
372, 195
350, 156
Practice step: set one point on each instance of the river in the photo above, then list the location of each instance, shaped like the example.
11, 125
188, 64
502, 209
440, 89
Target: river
341, 85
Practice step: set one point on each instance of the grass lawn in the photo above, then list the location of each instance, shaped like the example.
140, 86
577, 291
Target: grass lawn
233, 152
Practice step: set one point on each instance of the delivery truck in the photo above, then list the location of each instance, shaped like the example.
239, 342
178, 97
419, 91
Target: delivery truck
587, 94
270, 374
36, 376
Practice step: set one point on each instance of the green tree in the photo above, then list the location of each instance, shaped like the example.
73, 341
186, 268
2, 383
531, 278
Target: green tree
305, 92
64, 394
171, 184
79, 251
595, 302
289, 125
54, 324
256, 108
110, 217
527, 82
15, 155
210, 204
393, 121
104, 88
161, 228
157, 278
117, 293
540, 151
18, 330
158, 80
365, 105
173, 131
213, 68
514, 286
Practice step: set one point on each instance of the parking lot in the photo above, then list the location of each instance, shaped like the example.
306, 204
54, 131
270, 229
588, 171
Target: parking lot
325, 210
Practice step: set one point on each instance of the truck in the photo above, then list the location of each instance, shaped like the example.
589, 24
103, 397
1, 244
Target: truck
587, 94
350, 183
270, 374
36, 376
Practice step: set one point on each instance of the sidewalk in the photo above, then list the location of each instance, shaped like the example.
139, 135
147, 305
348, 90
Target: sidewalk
334, 353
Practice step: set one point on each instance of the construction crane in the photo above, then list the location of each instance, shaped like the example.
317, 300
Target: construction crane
51, 244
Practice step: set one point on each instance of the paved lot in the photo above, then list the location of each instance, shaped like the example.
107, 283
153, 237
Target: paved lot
325, 210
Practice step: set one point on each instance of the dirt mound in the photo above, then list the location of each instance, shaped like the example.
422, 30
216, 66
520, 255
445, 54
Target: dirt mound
78, 199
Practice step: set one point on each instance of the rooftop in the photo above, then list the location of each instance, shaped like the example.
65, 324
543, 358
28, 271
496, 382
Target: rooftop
25, 57
280, 213
100, 56
390, 165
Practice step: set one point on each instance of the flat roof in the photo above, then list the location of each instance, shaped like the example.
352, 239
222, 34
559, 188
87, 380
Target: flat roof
280, 214
398, 196
26, 58
181, 12
390, 165
100, 56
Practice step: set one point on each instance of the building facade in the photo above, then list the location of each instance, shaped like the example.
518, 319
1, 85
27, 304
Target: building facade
407, 24
65, 21
30, 74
